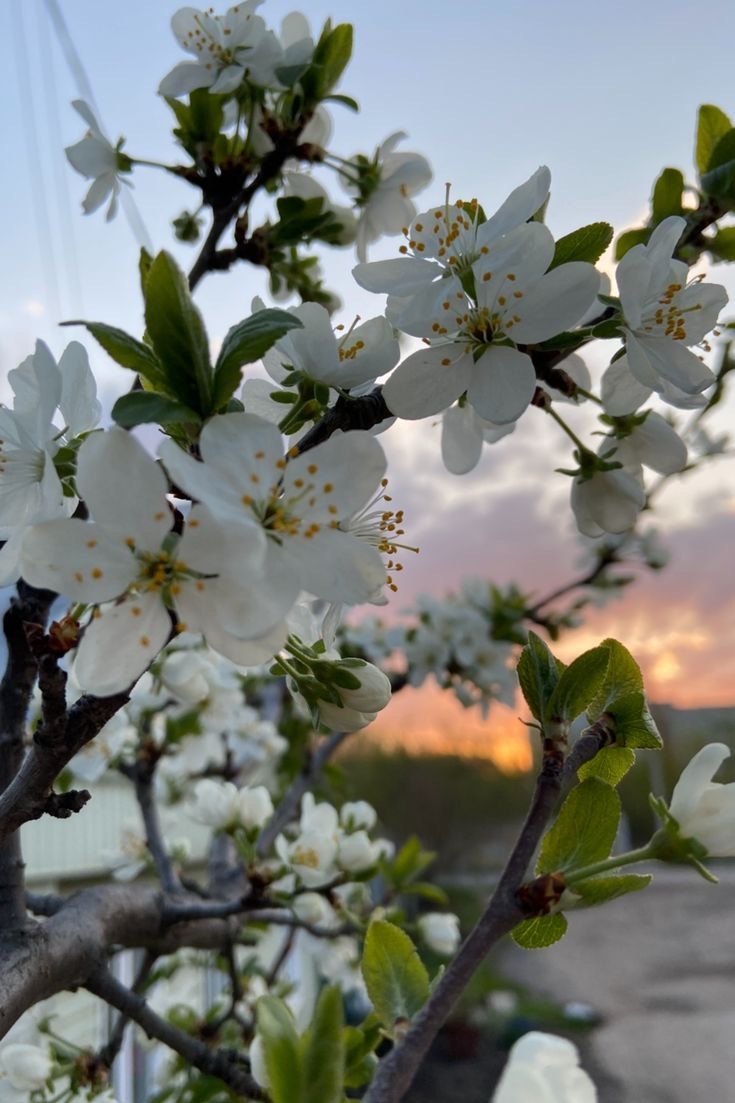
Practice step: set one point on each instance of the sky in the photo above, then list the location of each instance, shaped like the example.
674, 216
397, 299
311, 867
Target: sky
606, 96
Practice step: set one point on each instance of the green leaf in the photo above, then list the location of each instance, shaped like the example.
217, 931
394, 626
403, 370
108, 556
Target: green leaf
724, 151
634, 725
200, 121
126, 350
623, 676
623, 698
579, 684
143, 407
538, 673
324, 1050
588, 244
542, 931
611, 764
722, 245
244, 343
585, 829
427, 891
395, 977
178, 335
630, 238
331, 56
598, 890
410, 861
720, 181
712, 124
667, 195
281, 1050
346, 101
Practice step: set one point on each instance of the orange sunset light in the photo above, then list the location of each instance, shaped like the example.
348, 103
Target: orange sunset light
429, 720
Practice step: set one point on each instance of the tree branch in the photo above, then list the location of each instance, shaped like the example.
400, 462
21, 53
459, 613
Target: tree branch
396, 1071
29, 606
74, 942
271, 165
224, 1064
26, 796
348, 413
109, 1051
141, 774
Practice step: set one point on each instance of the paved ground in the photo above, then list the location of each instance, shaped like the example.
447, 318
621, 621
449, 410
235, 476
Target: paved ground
660, 966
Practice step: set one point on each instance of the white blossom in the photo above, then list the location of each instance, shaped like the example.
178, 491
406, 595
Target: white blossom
26, 1067
385, 189
663, 315
255, 807
52, 405
355, 814
216, 804
126, 553
356, 852
705, 809
443, 244
95, 157
228, 48
542, 1068
440, 931
608, 501
344, 361
516, 301
296, 506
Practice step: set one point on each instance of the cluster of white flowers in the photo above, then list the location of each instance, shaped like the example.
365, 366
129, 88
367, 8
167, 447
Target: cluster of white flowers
53, 405
475, 291
450, 638
262, 530
327, 844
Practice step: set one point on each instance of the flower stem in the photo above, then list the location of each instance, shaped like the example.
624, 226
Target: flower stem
615, 861
570, 433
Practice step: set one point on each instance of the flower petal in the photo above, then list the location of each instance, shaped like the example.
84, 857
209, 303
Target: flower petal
120, 643
124, 488
461, 439
694, 779
399, 276
652, 357
556, 302
78, 559
502, 385
341, 475
621, 392
428, 381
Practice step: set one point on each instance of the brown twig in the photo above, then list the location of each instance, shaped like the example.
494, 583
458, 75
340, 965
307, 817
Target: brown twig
224, 1064
396, 1071
109, 1051
29, 606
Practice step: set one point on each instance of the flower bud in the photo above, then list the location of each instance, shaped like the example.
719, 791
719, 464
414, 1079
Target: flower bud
183, 674
312, 908
216, 804
357, 814
440, 932
356, 852
26, 1067
255, 807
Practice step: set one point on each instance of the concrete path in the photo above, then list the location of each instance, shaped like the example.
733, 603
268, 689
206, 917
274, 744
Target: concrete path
660, 967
